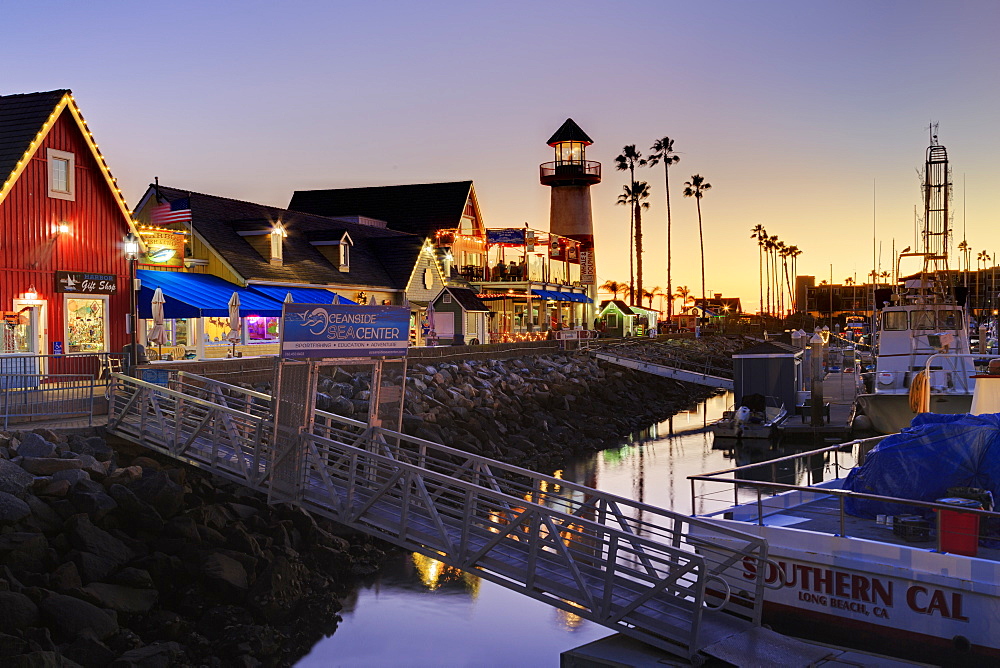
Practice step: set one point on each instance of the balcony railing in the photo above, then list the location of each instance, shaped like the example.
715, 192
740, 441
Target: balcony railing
588, 171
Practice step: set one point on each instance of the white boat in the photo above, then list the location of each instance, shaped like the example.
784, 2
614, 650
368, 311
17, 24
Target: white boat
753, 419
922, 316
897, 582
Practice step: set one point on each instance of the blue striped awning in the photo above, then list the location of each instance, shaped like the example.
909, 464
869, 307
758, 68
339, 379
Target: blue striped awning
199, 296
300, 295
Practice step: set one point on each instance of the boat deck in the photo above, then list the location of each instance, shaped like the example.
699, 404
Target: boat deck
839, 391
823, 516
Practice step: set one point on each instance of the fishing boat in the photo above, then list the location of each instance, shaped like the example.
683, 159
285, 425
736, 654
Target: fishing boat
924, 315
757, 417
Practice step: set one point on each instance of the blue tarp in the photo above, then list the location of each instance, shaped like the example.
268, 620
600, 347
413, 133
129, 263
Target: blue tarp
933, 454
199, 296
299, 295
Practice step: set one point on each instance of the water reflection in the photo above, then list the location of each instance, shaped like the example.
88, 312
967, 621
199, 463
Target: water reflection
420, 612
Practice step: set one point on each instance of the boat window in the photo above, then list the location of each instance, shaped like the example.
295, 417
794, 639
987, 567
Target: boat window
950, 319
922, 320
894, 321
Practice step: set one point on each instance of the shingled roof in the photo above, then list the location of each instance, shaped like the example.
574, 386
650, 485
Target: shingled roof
569, 131
21, 118
419, 209
378, 256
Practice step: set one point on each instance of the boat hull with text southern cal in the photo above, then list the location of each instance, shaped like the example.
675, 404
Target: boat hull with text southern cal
907, 600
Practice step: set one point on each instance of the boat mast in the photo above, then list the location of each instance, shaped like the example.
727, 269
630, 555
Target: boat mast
937, 198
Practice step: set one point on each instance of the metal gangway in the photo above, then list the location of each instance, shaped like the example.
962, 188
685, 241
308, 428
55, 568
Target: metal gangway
657, 576
660, 360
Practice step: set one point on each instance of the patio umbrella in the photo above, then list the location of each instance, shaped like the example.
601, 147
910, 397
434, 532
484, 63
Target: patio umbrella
288, 298
234, 320
372, 301
336, 299
158, 334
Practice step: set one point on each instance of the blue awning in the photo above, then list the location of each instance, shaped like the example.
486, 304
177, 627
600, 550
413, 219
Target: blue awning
545, 294
199, 296
576, 297
299, 295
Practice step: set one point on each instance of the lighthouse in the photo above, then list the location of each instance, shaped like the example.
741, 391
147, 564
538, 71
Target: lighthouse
570, 176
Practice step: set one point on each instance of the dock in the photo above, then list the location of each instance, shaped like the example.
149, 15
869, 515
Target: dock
839, 392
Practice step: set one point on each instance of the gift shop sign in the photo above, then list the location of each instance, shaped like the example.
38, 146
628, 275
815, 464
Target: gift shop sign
86, 284
344, 330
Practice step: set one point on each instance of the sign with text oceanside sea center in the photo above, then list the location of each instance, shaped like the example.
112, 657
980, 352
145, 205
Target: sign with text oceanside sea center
344, 330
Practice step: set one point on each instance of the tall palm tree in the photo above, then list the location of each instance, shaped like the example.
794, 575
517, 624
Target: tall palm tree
614, 287
629, 159
759, 233
793, 254
635, 196
696, 188
772, 247
663, 151
966, 250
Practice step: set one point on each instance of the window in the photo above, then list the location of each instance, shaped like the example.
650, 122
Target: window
949, 320
62, 180
922, 320
262, 329
277, 236
447, 298
345, 255
894, 321
86, 324
612, 320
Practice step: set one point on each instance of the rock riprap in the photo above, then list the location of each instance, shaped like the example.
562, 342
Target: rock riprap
114, 560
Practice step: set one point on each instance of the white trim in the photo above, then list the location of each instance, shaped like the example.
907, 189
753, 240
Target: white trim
53, 156
107, 324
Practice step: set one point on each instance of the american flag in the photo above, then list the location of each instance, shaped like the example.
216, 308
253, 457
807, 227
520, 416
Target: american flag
178, 211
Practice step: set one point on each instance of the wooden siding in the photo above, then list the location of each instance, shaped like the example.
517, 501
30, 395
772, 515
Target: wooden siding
32, 250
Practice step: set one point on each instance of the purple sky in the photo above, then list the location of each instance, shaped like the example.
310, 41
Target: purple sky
791, 110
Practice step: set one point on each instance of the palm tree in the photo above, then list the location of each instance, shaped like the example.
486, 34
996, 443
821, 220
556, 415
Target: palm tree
696, 188
635, 196
628, 160
614, 287
663, 151
684, 294
651, 293
759, 233
794, 253
966, 250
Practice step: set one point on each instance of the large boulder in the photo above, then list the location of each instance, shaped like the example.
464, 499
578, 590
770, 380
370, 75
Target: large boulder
86, 537
12, 509
119, 598
223, 570
13, 479
48, 465
33, 445
16, 611
71, 617
159, 491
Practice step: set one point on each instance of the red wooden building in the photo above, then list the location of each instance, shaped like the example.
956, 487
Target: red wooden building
63, 272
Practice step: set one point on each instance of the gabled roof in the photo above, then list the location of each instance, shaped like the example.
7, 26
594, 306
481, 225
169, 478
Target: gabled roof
25, 121
419, 209
374, 263
467, 299
569, 131
620, 305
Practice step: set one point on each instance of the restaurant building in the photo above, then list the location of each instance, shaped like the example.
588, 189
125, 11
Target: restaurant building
203, 248
63, 272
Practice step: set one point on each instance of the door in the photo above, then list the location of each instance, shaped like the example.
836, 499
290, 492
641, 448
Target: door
444, 325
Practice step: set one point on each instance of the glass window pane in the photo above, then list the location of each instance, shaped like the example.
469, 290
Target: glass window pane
922, 320
894, 321
85, 325
60, 170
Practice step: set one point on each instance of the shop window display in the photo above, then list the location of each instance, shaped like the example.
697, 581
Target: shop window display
86, 325
262, 330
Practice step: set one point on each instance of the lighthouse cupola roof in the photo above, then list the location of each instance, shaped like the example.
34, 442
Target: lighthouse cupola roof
569, 131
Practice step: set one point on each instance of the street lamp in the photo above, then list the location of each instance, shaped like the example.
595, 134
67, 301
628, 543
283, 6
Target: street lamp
131, 247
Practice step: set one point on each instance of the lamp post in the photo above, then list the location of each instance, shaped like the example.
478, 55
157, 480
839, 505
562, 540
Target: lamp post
131, 246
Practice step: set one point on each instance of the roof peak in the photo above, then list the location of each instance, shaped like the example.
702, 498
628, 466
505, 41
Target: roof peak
569, 131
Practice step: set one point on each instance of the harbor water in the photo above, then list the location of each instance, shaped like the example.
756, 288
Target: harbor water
418, 612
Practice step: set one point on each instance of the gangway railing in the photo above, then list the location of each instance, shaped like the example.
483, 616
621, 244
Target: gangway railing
661, 360
652, 574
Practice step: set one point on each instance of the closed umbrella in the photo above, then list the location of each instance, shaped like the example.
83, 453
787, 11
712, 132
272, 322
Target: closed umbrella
372, 301
234, 321
158, 334
336, 299
430, 335
288, 298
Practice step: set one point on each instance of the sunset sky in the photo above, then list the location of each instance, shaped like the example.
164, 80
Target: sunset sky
807, 117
